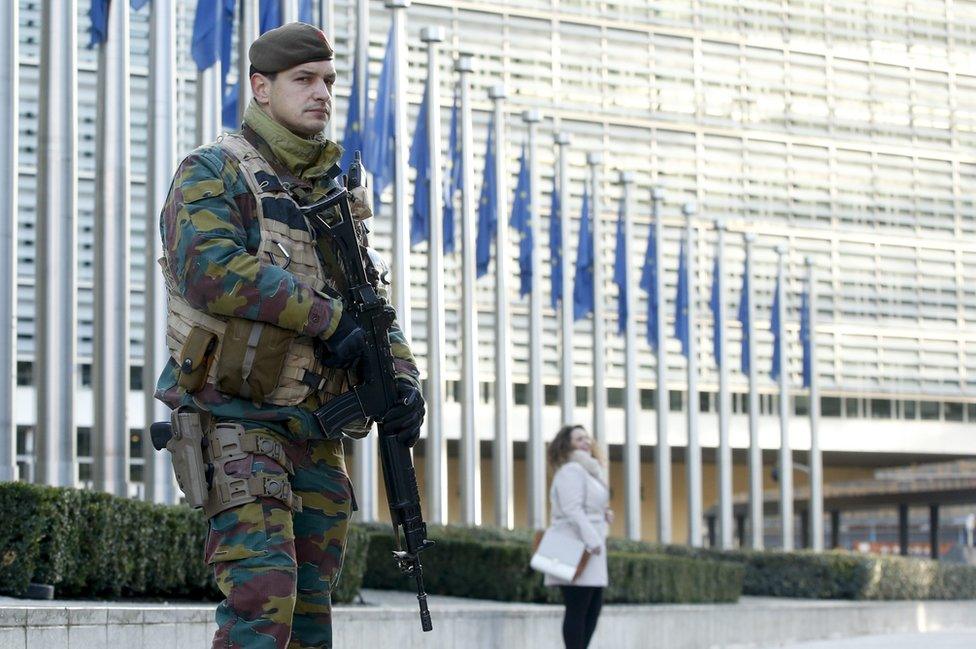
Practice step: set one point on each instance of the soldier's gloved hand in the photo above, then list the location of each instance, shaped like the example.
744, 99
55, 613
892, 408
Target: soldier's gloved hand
404, 419
346, 345
361, 203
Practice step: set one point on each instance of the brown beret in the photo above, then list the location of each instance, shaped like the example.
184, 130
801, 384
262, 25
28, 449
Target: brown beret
287, 46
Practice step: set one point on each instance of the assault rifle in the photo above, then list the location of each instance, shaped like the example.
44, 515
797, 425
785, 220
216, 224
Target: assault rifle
378, 392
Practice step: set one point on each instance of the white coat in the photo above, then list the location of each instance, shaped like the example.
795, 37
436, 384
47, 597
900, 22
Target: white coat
578, 502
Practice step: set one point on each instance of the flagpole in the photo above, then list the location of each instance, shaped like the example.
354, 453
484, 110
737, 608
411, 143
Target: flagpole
595, 160
401, 233
434, 443
755, 451
785, 452
57, 220
470, 398
9, 117
502, 452
536, 445
724, 450
662, 451
631, 396
249, 28
693, 461
289, 11
568, 391
209, 103
157, 475
327, 24
816, 459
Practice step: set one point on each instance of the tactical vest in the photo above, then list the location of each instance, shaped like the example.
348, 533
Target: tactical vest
254, 360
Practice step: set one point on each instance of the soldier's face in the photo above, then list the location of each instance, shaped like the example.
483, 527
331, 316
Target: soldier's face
299, 98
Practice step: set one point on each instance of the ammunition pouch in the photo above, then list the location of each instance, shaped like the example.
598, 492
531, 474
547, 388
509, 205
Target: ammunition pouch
229, 442
252, 358
196, 355
186, 448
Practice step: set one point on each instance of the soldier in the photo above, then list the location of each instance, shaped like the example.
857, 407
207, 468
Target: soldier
259, 340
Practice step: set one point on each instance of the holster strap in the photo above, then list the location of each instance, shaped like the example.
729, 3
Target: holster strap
229, 444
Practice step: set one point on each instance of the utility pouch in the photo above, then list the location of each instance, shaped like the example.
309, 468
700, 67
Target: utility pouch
196, 356
186, 447
252, 357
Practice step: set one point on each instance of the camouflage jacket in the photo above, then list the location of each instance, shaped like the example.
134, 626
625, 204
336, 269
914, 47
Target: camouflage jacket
210, 251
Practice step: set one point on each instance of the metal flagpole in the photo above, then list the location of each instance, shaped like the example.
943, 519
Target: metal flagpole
249, 28
56, 284
536, 446
401, 228
595, 160
693, 460
157, 474
470, 397
755, 451
568, 392
724, 450
504, 501
326, 20
631, 400
785, 452
9, 95
365, 457
434, 444
289, 11
816, 459
110, 362
662, 451
209, 100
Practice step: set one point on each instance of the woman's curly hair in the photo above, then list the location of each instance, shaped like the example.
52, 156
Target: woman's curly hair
561, 447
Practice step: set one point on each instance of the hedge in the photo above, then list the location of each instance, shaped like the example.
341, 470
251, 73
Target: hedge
488, 563
92, 544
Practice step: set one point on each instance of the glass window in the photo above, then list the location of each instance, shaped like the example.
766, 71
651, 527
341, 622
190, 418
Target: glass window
971, 412
830, 406
135, 442
647, 399
85, 471
880, 408
801, 404
135, 377
677, 398
521, 394
929, 409
909, 409
704, 402
615, 397
582, 396
135, 472
86, 375
486, 390
851, 408
84, 441
953, 411
552, 395
25, 373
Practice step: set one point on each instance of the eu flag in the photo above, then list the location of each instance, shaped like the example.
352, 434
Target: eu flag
682, 326
744, 317
718, 318
620, 271
454, 179
138, 4
98, 13
521, 221
352, 137
270, 15
777, 328
805, 338
648, 282
383, 125
420, 160
487, 206
583, 297
305, 11
205, 43
556, 246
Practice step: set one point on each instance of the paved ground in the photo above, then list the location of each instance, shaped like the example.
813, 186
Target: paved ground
933, 640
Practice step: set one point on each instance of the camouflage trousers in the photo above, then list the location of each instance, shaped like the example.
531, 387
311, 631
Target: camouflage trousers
276, 568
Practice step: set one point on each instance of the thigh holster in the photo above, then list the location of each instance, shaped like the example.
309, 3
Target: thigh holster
229, 442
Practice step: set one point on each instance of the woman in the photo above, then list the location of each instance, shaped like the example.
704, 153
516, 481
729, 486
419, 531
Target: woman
579, 502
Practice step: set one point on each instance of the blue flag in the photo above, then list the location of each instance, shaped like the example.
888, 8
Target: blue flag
522, 222
718, 318
648, 282
805, 338
556, 247
453, 180
777, 328
744, 318
98, 13
620, 271
420, 160
352, 137
583, 298
382, 125
205, 42
487, 206
270, 15
138, 4
305, 11
682, 326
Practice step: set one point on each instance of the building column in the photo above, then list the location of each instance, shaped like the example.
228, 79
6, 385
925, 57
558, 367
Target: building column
9, 93
934, 531
903, 529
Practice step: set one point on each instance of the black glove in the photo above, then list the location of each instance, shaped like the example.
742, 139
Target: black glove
346, 345
404, 418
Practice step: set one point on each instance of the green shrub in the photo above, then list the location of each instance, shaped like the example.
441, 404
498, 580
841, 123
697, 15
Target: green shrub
353, 565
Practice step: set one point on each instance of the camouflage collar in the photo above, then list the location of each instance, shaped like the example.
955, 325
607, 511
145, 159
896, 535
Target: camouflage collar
307, 159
